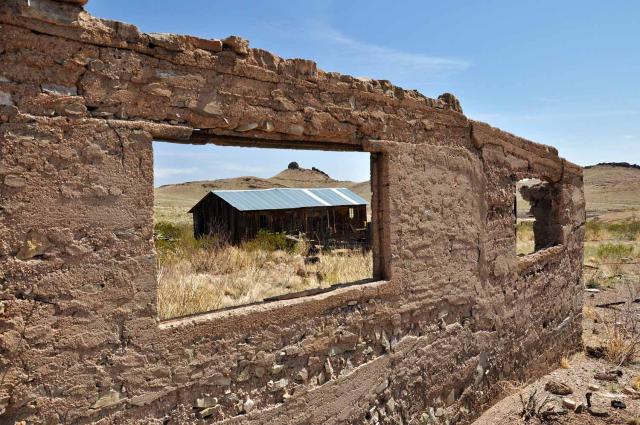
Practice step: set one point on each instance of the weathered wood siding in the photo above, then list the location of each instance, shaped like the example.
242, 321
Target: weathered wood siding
214, 216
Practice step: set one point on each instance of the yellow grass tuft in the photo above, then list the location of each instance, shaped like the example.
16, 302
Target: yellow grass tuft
525, 241
618, 347
564, 363
198, 275
589, 312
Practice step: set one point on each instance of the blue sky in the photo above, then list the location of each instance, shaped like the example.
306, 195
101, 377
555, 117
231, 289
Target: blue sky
564, 73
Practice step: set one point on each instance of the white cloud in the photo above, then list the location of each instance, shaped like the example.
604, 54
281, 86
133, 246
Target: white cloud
381, 61
162, 173
383, 58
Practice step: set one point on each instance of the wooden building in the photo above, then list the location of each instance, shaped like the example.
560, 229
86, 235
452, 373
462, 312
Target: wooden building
327, 215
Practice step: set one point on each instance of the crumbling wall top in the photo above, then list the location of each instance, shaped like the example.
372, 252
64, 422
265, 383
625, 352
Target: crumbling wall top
68, 18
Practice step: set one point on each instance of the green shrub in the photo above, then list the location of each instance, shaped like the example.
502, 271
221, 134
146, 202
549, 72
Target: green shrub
167, 236
628, 229
171, 238
593, 283
614, 250
593, 230
269, 241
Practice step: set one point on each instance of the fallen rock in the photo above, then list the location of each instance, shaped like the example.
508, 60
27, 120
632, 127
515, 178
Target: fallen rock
278, 385
595, 352
248, 405
597, 412
206, 402
15, 181
35, 244
209, 411
558, 388
606, 376
618, 404
594, 387
108, 399
569, 404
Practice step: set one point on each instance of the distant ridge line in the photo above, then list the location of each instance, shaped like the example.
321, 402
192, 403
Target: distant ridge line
616, 164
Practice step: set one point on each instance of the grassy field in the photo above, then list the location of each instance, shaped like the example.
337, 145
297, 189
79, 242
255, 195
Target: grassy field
607, 243
203, 275
612, 253
198, 275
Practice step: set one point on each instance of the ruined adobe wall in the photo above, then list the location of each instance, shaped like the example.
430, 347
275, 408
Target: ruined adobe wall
81, 100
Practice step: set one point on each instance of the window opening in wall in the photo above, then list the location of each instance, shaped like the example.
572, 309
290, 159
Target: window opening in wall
536, 216
238, 225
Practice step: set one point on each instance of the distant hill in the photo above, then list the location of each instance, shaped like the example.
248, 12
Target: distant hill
615, 164
612, 190
172, 201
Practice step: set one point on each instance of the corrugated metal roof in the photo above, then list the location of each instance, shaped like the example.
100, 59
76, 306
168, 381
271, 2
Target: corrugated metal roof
287, 198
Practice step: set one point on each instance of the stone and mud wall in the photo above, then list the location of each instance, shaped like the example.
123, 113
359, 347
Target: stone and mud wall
455, 313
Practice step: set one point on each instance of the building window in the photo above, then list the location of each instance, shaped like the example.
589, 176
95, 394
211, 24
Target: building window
225, 240
536, 209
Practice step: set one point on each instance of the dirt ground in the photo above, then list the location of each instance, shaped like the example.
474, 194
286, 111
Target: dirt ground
608, 330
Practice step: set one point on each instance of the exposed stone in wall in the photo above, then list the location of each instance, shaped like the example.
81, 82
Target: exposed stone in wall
81, 100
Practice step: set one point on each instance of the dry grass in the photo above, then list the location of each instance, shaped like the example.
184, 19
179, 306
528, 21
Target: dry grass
203, 275
618, 347
565, 363
611, 256
590, 313
621, 336
525, 241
